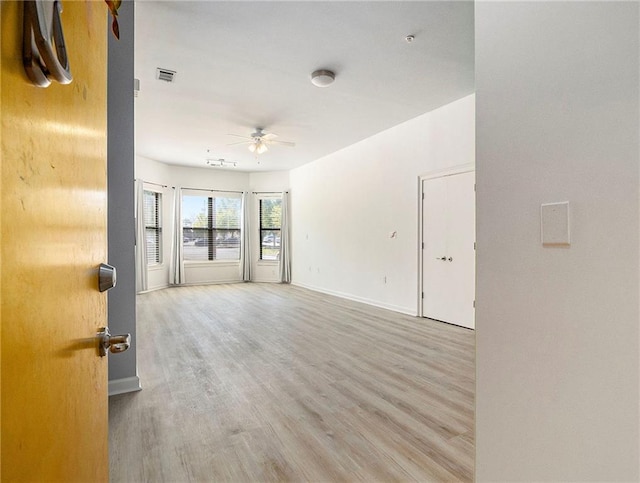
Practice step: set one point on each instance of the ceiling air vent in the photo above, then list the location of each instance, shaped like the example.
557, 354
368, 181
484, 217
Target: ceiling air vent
165, 74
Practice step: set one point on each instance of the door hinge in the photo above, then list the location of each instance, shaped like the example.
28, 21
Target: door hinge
423, 245
423, 196
474, 245
422, 294
474, 304
474, 187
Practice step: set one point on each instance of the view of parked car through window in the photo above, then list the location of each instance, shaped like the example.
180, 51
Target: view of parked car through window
211, 227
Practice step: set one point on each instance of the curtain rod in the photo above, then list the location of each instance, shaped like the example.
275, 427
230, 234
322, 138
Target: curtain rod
155, 184
216, 191
268, 192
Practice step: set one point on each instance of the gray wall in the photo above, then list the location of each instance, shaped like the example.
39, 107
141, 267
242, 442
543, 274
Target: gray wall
557, 328
120, 175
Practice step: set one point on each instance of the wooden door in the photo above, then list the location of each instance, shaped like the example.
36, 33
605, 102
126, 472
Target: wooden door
53, 237
448, 268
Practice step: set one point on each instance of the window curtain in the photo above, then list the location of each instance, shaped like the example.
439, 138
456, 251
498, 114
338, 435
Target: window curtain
176, 267
285, 237
245, 246
141, 240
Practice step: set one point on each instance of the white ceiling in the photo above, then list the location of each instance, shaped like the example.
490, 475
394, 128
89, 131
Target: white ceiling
242, 65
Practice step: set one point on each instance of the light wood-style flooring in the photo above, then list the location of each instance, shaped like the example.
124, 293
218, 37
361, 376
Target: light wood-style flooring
270, 382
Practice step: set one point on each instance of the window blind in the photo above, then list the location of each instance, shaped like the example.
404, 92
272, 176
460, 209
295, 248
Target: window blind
270, 224
211, 227
153, 226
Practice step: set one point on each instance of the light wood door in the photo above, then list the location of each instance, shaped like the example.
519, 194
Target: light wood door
448, 268
53, 237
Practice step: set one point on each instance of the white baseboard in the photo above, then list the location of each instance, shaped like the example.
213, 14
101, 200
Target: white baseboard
124, 385
210, 282
153, 289
355, 298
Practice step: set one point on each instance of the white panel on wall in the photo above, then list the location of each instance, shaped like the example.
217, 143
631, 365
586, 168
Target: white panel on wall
554, 224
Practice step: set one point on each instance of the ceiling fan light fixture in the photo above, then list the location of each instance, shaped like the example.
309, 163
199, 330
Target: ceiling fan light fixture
258, 147
261, 148
322, 78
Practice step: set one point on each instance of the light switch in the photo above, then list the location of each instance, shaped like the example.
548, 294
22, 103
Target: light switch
554, 221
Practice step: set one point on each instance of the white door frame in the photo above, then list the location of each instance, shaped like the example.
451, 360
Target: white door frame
441, 173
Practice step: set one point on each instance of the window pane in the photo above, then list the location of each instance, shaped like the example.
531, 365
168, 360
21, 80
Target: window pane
270, 213
195, 233
211, 228
270, 220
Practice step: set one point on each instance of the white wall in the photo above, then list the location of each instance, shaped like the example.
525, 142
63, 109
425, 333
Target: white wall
345, 205
557, 328
269, 181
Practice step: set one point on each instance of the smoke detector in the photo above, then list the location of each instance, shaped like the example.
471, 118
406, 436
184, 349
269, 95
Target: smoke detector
322, 78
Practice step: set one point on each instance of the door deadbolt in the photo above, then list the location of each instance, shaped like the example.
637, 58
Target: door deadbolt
112, 343
106, 277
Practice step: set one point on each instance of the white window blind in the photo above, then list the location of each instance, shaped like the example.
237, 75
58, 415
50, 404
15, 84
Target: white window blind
153, 226
211, 227
270, 224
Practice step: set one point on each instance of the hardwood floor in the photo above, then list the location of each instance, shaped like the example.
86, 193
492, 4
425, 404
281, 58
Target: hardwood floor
269, 382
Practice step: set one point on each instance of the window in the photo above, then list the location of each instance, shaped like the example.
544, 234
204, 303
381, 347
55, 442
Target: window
153, 226
211, 227
270, 220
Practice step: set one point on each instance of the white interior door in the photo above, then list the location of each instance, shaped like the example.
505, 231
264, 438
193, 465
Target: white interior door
448, 262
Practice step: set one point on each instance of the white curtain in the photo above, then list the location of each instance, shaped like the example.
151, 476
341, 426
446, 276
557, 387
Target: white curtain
141, 240
285, 238
176, 267
245, 246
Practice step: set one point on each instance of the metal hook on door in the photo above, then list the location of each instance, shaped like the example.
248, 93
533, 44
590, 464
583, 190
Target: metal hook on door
44, 52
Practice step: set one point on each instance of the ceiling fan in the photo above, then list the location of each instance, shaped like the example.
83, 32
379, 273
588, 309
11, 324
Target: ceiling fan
258, 142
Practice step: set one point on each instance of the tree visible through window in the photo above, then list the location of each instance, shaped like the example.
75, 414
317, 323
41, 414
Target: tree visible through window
270, 224
153, 226
211, 227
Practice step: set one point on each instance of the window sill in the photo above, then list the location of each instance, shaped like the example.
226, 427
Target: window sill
268, 262
158, 266
212, 263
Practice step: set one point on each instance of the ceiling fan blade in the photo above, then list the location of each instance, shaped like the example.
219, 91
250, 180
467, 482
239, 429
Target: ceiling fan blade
269, 136
283, 143
239, 136
240, 142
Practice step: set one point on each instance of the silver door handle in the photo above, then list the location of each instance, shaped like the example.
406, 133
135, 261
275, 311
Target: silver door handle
441, 258
112, 343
